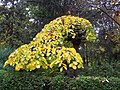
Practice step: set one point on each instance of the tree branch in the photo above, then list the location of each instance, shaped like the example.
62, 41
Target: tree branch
109, 16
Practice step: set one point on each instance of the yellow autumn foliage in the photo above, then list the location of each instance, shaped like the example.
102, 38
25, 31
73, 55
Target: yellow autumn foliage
50, 47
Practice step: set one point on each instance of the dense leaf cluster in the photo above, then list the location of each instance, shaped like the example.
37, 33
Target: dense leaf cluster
53, 47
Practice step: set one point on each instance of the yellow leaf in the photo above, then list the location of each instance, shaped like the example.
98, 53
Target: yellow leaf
73, 35
63, 48
44, 60
53, 50
59, 53
32, 53
11, 63
71, 65
48, 54
57, 61
6, 63
50, 58
78, 58
61, 69
52, 64
38, 66
42, 54
37, 62
73, 50
33, 63
18, 67
68, 61
42, 49
25, 62
75, 63
80, 66
30, 67
60, 64
44, 66
65, 67
74, 67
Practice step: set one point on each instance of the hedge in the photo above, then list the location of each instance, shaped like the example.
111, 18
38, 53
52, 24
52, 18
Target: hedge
33, 81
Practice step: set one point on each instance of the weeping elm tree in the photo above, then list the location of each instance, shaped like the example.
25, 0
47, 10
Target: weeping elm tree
55, 46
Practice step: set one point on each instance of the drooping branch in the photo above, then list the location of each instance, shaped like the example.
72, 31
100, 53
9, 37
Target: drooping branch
109, 16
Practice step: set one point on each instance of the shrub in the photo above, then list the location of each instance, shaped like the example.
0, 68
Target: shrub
29, 81
54, 46
4, 53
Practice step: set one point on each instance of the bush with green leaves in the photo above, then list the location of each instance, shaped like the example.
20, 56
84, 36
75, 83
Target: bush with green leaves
4, 53
54, 46
32, 81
